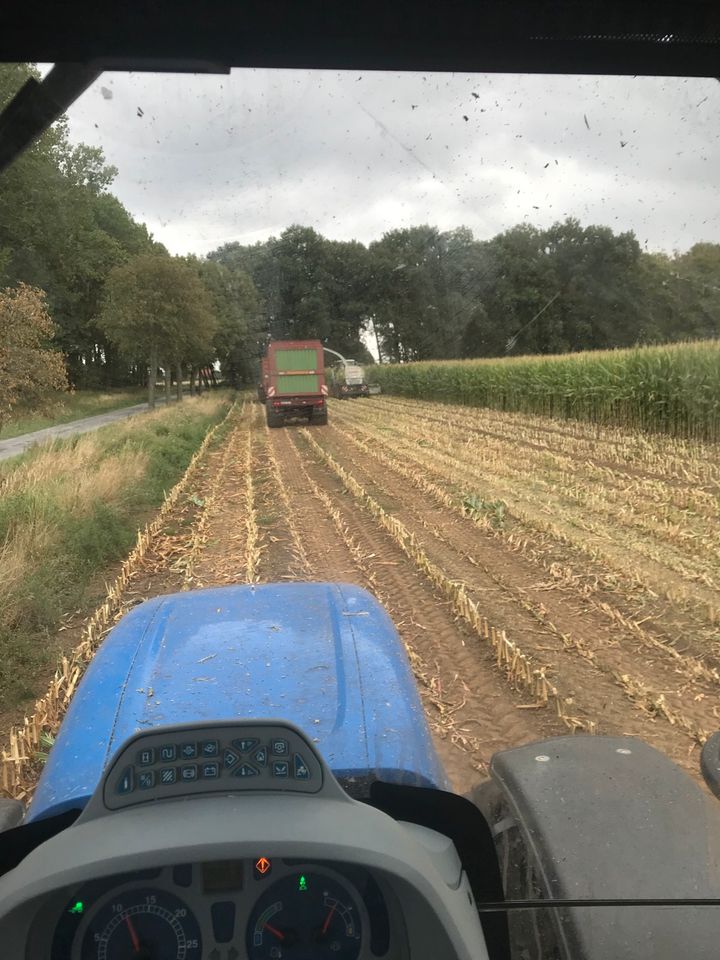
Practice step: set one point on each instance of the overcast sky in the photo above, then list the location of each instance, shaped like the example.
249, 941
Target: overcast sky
205, 160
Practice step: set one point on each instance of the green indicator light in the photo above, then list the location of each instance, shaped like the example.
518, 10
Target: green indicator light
77, 907
302, 883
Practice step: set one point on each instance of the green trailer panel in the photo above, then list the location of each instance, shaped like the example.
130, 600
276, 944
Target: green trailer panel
295, 360
298, 383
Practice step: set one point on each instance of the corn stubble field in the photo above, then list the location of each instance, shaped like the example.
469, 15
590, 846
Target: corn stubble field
545, 576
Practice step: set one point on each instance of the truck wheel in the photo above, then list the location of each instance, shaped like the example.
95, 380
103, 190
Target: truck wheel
273, 419
320, 419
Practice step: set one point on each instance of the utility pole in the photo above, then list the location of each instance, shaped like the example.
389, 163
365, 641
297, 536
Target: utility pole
377, 338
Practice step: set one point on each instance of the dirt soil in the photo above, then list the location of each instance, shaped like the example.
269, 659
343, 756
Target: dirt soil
267, 505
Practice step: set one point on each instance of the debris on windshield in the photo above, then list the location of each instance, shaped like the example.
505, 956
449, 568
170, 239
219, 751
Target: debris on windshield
561, 504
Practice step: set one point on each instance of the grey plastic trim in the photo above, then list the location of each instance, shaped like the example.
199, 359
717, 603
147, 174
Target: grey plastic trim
440, 920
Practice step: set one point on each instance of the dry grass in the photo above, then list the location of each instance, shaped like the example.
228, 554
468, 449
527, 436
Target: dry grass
68, 510
20, 766
73, 473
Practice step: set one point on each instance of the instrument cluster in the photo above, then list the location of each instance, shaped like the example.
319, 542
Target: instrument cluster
266, 909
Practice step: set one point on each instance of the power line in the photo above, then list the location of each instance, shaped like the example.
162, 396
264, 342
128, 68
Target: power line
510, 345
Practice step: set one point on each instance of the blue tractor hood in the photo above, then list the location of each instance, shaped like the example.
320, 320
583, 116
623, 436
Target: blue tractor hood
323, 656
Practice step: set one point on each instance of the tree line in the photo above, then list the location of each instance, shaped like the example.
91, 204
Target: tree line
419, 293
121, 306
78, 270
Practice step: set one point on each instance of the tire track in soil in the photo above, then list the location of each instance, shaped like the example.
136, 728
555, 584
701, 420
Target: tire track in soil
162, 569
328, 557
510, 591
472, 710
484, 706
223, 556
283, 553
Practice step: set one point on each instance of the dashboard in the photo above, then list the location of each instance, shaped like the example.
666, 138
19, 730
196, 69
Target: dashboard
285, 864
260, 909
277, 864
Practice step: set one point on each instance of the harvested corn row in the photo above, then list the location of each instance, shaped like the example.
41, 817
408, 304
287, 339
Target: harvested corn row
690, 666
442, 720
516, 664
198, 537
252, 541
298, 549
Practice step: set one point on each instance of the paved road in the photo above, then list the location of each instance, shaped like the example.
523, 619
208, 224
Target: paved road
17, 445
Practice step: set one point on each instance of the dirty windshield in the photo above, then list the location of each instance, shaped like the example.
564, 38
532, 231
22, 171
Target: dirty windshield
451, 338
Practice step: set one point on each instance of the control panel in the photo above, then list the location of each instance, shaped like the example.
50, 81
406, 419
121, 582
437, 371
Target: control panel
223, 758
223, 910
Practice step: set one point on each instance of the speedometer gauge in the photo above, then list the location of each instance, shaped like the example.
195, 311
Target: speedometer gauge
142, 924
304, 916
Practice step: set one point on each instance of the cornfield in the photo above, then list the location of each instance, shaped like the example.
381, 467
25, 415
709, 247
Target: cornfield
673, 389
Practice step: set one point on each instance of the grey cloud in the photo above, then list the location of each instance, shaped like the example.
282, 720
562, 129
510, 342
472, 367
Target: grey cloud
213, 159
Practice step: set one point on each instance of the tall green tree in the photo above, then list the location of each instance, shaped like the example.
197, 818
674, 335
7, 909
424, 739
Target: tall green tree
236, 306
412, 294
62, 231
308, 287
158, 310
695, 280
526, 290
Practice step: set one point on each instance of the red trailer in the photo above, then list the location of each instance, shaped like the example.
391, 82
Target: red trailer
263, 381
295, 385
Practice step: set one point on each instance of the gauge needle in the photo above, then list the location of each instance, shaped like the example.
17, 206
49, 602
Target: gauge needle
133, 935
275, 932
328, 918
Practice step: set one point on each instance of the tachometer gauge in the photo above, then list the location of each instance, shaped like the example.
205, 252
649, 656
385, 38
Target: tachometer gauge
142, 924
306, 916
